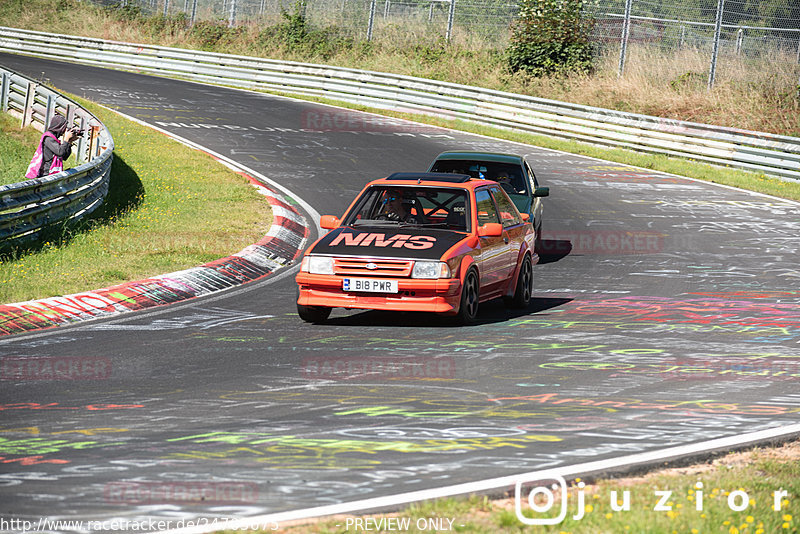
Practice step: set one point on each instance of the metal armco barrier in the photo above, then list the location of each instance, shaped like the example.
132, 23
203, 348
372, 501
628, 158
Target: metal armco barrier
28, 207
766, 153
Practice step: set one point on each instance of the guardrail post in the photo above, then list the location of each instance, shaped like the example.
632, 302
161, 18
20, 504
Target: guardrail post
715, 49
94, 142
166, 8
49, 110
6, 86
27, 111
450, 17
430, 13
194, 12
371, 19
386, 10
81, 148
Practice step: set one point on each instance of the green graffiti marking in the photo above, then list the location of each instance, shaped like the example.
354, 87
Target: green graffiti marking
367, 446
374, 411
654, 368
698, 406
36, 446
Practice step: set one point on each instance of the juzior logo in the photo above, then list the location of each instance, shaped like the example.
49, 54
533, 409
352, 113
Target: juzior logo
417, 242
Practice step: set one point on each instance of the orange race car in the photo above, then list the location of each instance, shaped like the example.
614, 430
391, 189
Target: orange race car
433, 242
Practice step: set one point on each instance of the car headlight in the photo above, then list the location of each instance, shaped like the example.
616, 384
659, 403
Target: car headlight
430, 269
317, 265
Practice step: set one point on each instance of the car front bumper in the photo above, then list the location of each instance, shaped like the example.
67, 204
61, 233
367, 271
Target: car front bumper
439, 296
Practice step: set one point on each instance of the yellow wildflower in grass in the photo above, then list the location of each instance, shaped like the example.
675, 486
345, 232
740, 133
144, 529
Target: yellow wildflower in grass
787, 517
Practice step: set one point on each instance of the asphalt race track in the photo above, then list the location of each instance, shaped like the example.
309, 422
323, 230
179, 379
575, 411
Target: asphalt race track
666, 314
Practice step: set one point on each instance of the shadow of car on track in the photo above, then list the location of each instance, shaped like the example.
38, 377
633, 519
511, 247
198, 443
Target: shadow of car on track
490, 313
552, 250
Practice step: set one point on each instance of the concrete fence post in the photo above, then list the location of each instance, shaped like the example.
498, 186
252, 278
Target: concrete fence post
450, 18
626, 30
371, 23
715, 50
739, 41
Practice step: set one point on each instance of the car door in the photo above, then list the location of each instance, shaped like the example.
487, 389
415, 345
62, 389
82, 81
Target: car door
493, 250
513, 231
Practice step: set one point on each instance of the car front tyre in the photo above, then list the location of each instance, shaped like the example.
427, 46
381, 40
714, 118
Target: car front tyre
313, 314
470, 294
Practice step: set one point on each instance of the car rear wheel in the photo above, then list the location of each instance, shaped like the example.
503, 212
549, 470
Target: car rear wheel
524, 288
313, 314
470, 294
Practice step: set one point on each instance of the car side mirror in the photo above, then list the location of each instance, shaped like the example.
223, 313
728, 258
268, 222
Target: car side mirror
541, 192
490, 230
329, 222
526, 217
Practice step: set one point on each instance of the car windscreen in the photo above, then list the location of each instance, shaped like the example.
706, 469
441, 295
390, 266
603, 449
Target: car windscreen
411, 206
509, 175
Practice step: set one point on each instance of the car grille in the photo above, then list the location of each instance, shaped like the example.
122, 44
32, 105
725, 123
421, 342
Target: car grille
377, 267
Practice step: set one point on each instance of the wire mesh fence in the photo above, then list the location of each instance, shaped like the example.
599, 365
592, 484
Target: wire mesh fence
723, 34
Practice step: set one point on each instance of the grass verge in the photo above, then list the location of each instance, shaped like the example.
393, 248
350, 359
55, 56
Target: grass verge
162, 214
734, 494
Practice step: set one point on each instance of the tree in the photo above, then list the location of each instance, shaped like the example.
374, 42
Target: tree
551, 36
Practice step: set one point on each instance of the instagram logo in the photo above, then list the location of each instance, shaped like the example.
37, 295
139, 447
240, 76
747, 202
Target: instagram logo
541, 499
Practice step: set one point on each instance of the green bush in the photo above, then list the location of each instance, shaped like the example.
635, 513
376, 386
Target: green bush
208, 33
295, 34
551, 37
126, 13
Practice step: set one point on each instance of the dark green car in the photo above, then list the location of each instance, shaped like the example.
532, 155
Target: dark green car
511, 171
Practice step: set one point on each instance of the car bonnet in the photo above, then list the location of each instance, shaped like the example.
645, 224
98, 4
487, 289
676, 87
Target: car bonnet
415, 243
